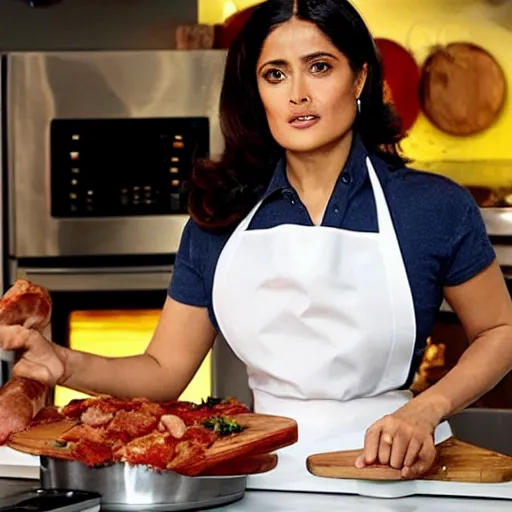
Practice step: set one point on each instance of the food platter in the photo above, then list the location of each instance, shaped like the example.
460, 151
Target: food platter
262, 435
214, 477
138, 454
217, 478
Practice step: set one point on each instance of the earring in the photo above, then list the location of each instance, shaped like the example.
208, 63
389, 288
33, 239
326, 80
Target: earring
358, 103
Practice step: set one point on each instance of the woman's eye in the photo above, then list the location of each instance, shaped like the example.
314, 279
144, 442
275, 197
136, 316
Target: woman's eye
320, 67
274, 75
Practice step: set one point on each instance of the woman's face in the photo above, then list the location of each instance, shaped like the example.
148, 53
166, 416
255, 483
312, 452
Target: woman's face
307, 87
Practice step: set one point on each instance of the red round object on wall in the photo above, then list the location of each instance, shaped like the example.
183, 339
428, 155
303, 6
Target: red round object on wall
233, 25
402, 79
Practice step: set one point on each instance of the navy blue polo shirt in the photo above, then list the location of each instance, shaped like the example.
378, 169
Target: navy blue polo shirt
439, 228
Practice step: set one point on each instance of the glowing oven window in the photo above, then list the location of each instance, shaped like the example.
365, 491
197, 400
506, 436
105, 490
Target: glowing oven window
117, 333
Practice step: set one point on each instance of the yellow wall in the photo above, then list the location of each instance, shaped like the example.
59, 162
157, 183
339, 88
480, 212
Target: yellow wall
216, 11
419, 25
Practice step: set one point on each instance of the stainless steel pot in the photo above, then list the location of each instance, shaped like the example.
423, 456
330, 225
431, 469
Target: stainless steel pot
136, 488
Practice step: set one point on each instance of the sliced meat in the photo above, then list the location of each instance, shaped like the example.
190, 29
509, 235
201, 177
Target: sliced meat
230, 407
174, 425
188, 455
92, 453
150, 408
110, 404
75, 408
95, 417
201, 435
84, 431
48, 414
155, 450
27, 304
20, 401
192, 417
127, 425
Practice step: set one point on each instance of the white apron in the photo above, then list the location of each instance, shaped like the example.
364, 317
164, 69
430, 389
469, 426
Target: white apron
324, 320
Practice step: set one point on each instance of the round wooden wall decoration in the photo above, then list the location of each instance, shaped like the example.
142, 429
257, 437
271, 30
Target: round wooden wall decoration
462, 89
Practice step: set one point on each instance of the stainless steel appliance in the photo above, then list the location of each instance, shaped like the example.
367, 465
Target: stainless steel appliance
98, 147
98, 144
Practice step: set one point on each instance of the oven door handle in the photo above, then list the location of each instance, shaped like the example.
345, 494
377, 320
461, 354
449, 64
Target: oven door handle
99, 279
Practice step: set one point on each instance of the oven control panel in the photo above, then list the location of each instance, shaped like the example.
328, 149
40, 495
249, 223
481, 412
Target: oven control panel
124, 167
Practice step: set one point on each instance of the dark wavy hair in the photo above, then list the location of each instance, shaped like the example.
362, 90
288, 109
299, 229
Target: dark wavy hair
222, 192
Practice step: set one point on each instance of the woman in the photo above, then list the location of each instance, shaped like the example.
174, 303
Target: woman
319, 256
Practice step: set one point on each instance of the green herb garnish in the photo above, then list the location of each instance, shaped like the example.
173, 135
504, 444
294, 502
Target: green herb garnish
222, 426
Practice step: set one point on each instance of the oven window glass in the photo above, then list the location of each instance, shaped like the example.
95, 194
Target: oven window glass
114, 324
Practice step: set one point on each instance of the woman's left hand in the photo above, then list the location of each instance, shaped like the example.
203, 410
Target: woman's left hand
403, 440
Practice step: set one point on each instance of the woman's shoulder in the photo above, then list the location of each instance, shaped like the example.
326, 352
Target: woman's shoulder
199, 245
440, 217
195, 263
428, 190
201, 237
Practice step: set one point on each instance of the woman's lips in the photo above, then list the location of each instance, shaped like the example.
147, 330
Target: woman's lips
303, 122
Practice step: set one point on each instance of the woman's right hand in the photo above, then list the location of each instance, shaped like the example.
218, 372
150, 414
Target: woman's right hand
40, 360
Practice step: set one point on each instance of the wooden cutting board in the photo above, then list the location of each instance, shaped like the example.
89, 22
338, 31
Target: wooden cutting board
263, 434
456, 462
250, 465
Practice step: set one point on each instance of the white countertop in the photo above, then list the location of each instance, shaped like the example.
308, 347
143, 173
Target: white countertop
264, 501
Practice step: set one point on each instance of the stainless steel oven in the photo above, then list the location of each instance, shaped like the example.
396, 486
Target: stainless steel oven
98, 148
98, 145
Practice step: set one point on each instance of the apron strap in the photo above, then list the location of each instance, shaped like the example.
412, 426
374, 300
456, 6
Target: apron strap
244, 224
384, 221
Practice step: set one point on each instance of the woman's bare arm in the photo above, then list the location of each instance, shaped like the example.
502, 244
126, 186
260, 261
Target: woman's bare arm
181, 340
484, 308
404, 439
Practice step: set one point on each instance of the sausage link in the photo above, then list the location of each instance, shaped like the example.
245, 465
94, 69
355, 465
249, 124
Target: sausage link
30, 305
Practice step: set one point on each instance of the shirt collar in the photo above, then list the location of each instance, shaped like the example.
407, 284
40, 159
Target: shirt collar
355, 169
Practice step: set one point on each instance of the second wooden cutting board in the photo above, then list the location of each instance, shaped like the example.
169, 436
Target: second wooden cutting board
239, 454
457, 462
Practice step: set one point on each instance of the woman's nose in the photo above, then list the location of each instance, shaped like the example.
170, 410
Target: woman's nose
298, 93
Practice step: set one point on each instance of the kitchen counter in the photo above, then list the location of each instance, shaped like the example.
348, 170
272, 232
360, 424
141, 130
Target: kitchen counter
10, 486
258, 501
